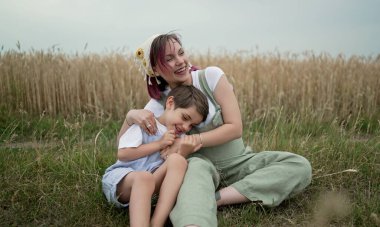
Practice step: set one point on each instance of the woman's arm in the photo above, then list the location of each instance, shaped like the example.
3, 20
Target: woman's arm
233, 126
141, 117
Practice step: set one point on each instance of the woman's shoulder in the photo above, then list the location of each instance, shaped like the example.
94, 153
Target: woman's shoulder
213, 71
212, 75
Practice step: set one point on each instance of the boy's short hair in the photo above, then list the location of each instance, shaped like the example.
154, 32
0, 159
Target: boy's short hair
186, 96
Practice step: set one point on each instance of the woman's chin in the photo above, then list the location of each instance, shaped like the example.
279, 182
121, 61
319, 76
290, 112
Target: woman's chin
181, 78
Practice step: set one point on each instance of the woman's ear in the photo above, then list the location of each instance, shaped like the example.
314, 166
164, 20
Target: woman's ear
155, 71
170, 102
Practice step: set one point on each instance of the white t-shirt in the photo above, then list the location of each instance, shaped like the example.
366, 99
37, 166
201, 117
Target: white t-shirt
134, 137
212, 74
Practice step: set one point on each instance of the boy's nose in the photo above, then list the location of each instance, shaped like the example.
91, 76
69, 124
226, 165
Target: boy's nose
187, 127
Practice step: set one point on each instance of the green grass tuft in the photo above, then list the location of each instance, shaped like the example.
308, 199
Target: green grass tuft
51, 171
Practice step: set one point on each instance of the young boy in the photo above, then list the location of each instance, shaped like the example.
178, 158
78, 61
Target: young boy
140, 171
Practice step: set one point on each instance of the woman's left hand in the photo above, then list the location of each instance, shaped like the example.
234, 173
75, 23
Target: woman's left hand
170, 149
188, 145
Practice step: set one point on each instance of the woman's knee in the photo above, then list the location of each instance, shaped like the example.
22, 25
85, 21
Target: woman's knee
302, 167
201, 164
203, 167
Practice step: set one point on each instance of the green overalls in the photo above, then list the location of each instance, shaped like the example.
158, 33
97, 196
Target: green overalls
268, 176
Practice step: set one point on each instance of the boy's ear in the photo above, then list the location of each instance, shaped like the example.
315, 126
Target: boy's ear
170, 102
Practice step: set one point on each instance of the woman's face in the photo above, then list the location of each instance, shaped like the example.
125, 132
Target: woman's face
176, 71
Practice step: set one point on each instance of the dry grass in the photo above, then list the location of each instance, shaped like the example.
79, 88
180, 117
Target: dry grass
56, 83
319, 86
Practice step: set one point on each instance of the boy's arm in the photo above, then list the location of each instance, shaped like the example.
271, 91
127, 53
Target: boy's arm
133, 153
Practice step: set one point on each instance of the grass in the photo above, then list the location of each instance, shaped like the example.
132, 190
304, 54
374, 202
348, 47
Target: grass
55, 178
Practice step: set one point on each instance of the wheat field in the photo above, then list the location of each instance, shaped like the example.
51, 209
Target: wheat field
60, 114
322, 86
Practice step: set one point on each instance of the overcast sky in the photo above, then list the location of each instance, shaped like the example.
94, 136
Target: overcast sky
332, 26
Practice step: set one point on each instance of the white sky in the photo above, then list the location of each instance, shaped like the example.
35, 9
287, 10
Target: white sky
332, 26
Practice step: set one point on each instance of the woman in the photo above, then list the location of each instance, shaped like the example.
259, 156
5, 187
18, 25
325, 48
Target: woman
223, 162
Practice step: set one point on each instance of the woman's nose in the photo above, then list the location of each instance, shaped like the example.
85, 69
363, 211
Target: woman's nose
179, 60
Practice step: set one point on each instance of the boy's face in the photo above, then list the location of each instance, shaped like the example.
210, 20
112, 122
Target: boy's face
181, 119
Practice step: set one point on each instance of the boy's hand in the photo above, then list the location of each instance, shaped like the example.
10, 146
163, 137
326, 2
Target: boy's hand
167, 139
170, 149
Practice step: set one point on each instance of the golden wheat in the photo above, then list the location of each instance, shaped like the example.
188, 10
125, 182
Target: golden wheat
320, 85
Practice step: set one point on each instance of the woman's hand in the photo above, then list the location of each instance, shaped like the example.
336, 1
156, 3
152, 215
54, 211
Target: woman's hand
144, 118
184, 146
188, 145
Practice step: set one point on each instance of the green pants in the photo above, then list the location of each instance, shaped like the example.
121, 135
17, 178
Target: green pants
267, 176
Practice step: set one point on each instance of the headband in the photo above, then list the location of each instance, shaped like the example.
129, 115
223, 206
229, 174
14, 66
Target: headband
142, 59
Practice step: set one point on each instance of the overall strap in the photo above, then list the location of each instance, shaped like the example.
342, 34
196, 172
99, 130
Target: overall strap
206, 88
162, 99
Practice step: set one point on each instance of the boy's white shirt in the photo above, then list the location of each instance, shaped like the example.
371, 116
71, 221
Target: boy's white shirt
135, 136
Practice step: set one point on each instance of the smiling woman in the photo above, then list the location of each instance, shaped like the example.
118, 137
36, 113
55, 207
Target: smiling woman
223, 163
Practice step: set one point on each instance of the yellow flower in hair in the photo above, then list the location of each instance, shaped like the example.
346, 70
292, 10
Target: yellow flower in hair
140, 53
142, 58
150, 72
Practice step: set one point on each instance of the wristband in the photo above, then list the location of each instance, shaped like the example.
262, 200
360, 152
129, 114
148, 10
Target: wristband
200, 138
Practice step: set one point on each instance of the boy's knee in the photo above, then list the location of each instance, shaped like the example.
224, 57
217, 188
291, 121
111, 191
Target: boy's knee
177, 159
143, 178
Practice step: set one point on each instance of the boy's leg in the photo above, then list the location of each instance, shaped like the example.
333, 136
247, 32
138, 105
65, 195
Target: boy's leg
196, 203
168, 177
137, 188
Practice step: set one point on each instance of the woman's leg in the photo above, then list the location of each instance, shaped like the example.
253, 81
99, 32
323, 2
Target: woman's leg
137, 189
168, 177
229, 195
268, 177
196, 203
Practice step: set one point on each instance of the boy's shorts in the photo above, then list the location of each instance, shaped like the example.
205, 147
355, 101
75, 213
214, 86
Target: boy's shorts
109, 184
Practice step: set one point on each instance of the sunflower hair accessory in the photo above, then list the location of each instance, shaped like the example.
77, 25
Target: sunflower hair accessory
142, 59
